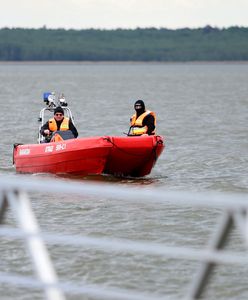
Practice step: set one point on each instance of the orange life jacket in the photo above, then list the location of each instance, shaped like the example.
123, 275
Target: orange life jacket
138, 123
64, 125
57, 138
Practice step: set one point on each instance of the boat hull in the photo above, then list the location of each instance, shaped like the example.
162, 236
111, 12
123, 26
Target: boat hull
82, 156
118, 156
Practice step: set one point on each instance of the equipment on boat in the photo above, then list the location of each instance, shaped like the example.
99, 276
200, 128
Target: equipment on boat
116, 155
51, 104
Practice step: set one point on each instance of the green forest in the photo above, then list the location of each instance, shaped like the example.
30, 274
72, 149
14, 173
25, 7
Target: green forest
148, 44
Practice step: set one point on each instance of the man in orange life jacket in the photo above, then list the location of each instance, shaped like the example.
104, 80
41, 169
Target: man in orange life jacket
143, 121
58, 122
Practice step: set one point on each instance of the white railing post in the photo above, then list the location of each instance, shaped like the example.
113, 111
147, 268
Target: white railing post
20, 205
3, 206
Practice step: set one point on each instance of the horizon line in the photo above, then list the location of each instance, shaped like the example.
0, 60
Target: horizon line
123, 28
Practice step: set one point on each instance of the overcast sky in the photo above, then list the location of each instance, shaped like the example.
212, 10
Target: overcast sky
111, 14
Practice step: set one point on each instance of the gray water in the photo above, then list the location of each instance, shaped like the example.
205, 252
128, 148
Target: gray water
202, 113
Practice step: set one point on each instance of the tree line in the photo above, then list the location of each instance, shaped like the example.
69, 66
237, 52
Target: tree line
140, 44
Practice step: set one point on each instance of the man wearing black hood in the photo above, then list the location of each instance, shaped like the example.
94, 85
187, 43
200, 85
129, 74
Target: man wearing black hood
58, 122
143, 121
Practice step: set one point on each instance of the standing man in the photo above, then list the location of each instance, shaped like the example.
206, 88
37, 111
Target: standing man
58, 122
143, 121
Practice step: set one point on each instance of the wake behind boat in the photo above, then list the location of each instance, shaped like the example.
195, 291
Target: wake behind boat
64, 154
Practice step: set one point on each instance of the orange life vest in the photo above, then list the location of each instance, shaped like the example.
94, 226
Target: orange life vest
64, 125
138, 123
57, 138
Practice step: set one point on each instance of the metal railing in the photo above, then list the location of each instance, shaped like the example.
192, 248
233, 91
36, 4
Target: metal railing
15, 192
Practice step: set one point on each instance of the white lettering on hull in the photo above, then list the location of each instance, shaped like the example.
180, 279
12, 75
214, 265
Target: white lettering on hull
60, 147
57, 148
24, 152
49, 149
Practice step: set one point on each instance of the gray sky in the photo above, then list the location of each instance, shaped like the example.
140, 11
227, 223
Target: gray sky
81, 14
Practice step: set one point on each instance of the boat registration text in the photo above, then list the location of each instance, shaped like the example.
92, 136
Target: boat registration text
56, 148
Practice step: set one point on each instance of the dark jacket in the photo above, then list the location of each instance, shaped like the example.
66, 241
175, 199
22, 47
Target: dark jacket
149, 122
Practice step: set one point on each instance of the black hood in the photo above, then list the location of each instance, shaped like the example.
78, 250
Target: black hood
142, 109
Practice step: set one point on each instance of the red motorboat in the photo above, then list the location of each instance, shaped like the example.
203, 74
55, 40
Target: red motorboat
119, 156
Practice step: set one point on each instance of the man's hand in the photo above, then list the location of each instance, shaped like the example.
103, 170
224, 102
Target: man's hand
47, 132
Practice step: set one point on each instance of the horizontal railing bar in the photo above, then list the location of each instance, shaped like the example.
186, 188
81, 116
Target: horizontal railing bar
232, 202
81, 288
121, 245
228, 203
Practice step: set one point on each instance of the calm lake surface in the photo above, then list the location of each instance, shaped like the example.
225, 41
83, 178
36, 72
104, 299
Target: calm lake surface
202, 112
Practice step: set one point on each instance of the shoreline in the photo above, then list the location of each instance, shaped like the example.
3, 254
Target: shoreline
73, 62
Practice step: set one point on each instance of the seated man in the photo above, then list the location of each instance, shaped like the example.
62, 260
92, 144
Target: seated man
58, 122
143, 121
